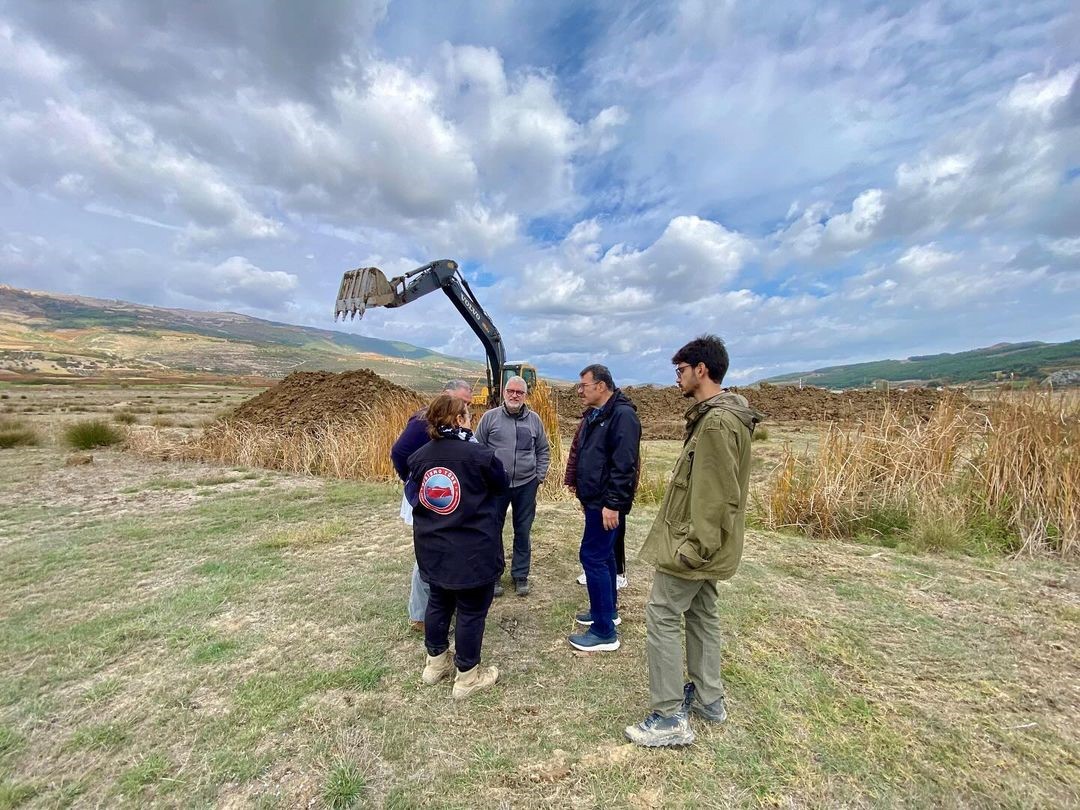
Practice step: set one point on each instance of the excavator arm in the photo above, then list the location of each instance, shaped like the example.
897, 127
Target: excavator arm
368, 287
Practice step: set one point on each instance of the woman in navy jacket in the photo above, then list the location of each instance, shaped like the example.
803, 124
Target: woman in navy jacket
453, 484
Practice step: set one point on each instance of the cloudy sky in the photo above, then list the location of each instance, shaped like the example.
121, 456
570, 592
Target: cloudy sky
816, 182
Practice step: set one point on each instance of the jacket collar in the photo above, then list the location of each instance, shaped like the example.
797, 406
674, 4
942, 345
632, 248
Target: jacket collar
728, 401
519, 415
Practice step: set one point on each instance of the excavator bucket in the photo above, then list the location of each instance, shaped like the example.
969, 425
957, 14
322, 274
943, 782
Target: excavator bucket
362, 288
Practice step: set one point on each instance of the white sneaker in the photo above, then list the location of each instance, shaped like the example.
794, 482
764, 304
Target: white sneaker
620, 582
581, 579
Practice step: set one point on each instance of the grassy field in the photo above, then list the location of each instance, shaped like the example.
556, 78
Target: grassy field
196, 636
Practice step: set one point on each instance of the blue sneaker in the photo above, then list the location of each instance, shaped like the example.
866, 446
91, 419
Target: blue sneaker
590, 642
715, 712
586, 619
656, 730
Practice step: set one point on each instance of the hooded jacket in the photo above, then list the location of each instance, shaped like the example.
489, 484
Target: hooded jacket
698, 532
608, 456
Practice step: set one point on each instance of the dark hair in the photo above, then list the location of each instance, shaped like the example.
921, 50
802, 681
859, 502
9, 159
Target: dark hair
599, 374
444, 411
707, 349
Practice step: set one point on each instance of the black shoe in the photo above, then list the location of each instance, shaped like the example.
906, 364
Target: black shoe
522, 586
715, 712
498, 589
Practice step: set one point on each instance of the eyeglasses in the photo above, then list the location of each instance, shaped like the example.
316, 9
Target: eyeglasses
680, 369
583, 386
515, 392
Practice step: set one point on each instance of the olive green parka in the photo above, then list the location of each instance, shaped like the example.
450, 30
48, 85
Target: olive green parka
698, 532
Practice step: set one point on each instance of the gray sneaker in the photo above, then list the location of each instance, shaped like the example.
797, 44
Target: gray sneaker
498, 588
715, 712
521, 586
656, 731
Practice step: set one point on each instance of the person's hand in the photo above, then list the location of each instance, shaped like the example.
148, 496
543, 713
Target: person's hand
610, 518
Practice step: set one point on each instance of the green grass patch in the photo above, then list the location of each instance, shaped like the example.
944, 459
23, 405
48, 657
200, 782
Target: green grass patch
102, 690
11, 742
306, 536
15, 794
89, 434
100, 737
214, 651
149, 771
345, 785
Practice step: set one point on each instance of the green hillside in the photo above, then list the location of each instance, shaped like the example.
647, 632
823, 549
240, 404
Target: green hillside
1011, 361
51, 336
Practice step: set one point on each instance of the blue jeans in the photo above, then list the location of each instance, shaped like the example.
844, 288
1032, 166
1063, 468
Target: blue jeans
419, 592
598, 560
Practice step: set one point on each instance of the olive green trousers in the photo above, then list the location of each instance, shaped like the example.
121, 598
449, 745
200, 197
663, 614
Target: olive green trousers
671, 601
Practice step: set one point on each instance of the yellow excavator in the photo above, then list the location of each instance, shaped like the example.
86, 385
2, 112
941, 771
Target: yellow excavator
368, 287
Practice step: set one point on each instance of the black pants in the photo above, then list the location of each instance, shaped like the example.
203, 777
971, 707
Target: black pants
523, 501
472, 608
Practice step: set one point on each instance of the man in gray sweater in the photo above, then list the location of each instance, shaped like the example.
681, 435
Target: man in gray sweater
517, 436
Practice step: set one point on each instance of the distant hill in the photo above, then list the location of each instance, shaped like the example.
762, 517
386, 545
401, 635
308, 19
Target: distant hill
1002, 361
46, 336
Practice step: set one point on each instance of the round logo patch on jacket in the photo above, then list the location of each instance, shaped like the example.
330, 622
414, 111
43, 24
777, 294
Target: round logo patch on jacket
440, 491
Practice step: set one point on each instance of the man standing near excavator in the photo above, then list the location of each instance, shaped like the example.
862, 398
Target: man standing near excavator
605, 481
695, 541
517, 436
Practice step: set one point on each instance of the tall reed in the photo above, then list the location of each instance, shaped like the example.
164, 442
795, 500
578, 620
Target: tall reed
1005, 476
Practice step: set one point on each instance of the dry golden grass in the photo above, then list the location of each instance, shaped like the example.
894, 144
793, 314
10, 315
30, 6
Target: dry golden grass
1007, 476
543, 400
357, 449
1029, 470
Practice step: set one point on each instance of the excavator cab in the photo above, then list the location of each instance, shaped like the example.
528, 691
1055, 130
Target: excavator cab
518, 368
527, 371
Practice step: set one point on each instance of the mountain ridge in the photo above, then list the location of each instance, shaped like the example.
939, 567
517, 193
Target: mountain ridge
1024, 362
62, 336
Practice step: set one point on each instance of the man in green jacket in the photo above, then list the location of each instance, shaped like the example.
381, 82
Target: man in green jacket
695, 541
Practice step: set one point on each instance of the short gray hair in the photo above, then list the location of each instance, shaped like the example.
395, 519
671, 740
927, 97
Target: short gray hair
457, 385
516, 378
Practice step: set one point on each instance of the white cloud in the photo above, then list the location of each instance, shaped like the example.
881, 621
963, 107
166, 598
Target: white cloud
921, 259
613, 181
236, 279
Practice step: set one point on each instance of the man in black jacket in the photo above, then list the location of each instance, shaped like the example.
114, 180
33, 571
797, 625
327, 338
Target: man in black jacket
605, 482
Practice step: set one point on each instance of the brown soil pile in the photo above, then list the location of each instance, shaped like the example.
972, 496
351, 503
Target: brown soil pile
661, 409
783, 403
307, 398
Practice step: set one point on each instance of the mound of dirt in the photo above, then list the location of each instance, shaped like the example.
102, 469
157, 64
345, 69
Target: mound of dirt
661, 409
307, 398
783, 403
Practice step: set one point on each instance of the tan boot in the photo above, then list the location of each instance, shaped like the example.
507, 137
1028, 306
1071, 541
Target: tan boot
465, 683
438, 667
